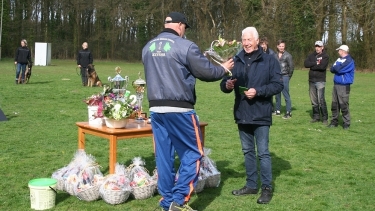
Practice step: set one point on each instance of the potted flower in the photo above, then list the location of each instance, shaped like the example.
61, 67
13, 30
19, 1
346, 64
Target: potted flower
117, 109
95, 106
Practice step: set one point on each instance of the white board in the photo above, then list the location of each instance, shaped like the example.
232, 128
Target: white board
42, 54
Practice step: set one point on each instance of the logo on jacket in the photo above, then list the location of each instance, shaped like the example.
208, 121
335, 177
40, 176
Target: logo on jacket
159, 48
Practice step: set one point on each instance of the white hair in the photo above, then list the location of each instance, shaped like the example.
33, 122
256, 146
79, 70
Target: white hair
252, 30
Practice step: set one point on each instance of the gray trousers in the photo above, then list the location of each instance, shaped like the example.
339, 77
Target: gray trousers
340, 101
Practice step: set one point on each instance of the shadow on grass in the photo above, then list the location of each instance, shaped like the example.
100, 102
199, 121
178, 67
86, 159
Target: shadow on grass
61, 196
40, 82
278, 166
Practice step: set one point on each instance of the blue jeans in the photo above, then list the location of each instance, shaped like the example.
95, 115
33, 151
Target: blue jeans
318, 101
18, 71
251, 136
286, 95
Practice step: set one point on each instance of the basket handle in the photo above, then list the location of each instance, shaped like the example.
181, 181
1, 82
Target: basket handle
53, 189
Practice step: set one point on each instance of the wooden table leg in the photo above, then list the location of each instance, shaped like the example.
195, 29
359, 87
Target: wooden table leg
203, 131
81, 139
112, 153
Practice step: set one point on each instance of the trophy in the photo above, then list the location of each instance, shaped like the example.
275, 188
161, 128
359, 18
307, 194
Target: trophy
118, 83
139, 85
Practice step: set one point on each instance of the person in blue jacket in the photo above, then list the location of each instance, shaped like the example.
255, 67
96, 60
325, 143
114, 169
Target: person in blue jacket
172, 64
256, 78
343, 68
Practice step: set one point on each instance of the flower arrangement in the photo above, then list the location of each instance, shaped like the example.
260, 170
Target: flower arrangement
116, 105
113, 105
222, 50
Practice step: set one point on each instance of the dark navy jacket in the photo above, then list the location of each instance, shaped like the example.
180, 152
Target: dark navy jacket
23, 55
264, 76
84, 57
171, 65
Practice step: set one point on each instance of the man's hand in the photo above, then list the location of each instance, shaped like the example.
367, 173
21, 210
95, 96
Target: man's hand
15, 62
251, 93
228, 65
79, 66
230, 84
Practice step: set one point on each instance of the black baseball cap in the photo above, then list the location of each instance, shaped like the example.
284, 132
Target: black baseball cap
176, 17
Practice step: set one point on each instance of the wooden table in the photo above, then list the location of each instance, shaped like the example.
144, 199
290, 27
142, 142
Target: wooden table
132, 130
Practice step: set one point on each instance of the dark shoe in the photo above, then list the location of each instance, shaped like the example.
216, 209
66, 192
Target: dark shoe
332, 125
244, 191
288, 115
266, 196
346, 127
325, 122
314, 120
176, 207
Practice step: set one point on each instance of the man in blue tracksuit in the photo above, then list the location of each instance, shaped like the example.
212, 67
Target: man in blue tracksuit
343, 69
171, 65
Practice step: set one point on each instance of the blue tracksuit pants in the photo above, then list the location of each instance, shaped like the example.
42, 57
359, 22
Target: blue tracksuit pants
176, 132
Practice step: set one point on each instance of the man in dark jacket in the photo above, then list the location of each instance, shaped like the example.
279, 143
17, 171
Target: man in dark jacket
21, 59
84, 58
256, 78
318, 62
287, 69
171, 65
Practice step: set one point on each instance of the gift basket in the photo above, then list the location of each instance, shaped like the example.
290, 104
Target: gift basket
222, 50
143, 186
200, 182
209, 171
81, 177
154, 178
116, 187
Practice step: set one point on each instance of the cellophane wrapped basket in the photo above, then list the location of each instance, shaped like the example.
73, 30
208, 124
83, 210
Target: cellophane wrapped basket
200, 185
116, 187
80, 175
209, 171
143, 186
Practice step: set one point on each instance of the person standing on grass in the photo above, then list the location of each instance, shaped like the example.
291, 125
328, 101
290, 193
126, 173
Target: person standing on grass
171, 65
287, 68
252, 110
263, 42
21, 59
84, 58
318, 62
343, 68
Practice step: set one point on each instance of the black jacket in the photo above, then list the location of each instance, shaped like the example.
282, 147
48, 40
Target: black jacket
84, 57
23, 55
286, 64
317, 71
263, 74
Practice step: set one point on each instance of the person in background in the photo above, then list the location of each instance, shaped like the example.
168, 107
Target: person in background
21, 59
84, 58
318, 63
172, 64
252, 110
343, 68
263, 42
287, 68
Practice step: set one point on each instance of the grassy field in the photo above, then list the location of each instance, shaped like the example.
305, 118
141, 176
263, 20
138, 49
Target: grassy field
314, 167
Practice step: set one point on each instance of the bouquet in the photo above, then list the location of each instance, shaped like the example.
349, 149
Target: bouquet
117, 106
95, 100
222, 50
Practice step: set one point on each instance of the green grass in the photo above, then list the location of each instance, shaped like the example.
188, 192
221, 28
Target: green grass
314, 167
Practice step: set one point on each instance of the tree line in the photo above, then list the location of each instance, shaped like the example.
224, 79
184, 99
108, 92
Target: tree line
118, 29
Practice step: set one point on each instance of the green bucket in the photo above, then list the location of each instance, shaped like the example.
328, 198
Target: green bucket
42, 193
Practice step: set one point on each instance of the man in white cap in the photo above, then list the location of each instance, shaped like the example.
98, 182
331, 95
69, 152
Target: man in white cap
318, 63
343, 69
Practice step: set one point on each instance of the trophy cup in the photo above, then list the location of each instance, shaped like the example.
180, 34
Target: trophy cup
118, 83
139, 85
